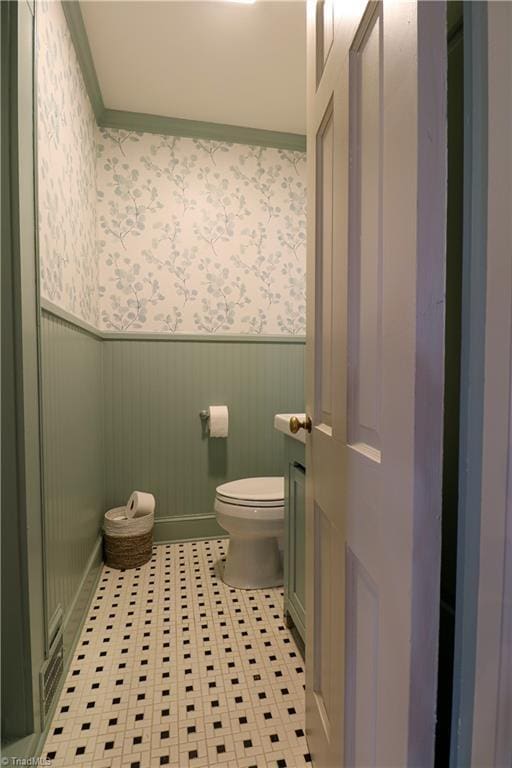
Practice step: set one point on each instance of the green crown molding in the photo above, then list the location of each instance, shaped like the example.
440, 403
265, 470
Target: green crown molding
76, 27
159, 124
197, 129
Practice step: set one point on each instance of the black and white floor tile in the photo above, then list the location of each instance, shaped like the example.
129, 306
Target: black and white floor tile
175, 668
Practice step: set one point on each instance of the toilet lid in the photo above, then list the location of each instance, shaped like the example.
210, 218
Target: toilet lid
253, 491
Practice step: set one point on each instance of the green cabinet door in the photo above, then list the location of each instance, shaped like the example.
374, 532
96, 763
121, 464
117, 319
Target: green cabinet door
295, 551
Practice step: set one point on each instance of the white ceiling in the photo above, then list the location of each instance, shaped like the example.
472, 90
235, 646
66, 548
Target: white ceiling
216, 61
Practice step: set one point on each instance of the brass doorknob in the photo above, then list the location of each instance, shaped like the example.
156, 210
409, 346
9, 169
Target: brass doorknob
296, 424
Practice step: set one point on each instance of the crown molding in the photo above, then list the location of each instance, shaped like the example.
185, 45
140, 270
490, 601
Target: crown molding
160, 124
76, 26
197, 129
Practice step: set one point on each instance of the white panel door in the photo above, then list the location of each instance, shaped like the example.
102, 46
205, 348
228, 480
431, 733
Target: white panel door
376, 250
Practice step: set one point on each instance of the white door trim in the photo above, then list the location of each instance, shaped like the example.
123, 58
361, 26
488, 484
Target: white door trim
429, 386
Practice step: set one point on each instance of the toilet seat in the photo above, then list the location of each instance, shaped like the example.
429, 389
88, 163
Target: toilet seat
254, 513
253, 492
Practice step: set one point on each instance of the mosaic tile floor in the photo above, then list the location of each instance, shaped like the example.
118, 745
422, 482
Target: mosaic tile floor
175, 668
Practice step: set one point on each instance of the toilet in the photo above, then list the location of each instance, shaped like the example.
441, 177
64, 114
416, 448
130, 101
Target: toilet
251, 510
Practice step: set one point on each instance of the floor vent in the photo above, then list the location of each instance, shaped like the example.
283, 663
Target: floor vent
51, 674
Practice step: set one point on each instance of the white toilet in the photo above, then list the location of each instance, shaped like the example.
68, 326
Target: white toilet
252, 512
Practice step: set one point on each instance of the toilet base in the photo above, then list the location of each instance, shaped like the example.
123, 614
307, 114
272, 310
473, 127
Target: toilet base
253, 563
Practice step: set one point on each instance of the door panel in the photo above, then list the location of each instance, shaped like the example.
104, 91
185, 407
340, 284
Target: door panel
370, 505
324, 33
365, 252
325, 150
323, 618
297, 504
362, 616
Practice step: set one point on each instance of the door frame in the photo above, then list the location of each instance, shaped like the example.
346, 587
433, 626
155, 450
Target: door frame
429, 382
483, 632
22, 498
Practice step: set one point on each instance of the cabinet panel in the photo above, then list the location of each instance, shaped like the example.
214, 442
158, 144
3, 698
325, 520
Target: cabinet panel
294, 604
297, 532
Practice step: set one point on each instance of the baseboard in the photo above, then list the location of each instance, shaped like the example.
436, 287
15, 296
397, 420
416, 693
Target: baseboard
296, 619
172, 529
74, 616
73, 622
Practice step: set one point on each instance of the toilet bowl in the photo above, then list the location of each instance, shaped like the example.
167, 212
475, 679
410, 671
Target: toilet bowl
252, 512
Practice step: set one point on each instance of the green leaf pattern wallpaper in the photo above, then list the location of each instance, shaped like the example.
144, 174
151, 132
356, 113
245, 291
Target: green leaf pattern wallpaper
200, 236
66, 139
148, 233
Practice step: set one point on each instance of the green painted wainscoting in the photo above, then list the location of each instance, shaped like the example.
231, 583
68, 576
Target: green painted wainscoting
74, 467
154, 391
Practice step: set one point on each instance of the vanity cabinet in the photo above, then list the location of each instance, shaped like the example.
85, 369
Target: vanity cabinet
295, 537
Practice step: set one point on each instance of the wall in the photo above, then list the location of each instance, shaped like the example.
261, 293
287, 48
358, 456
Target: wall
66, 171
123, 413
21, 551
74, 463
154, 391
169, 236
486, 621
71, 360
200, 236
117, 414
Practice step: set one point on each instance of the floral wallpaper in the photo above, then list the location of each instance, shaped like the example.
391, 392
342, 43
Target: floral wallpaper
200, 236
140, 232
66, 173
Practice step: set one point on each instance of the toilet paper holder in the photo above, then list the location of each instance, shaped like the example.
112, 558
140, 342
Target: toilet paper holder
215, 421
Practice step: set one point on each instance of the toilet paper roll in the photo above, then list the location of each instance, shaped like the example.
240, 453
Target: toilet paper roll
115, 517
219, 420
116, 523
140, 503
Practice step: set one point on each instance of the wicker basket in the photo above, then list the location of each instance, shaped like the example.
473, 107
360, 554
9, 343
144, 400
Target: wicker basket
127, 551
127, 543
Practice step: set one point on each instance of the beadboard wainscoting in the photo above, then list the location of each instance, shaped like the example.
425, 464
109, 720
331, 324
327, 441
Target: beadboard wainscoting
123, 412
74, 467
154, 391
